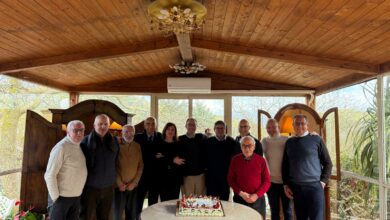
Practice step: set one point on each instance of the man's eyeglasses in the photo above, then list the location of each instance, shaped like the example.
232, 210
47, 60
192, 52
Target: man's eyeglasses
300, 123
78, 130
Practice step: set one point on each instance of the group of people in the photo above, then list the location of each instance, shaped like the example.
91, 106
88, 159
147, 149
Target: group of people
89, 176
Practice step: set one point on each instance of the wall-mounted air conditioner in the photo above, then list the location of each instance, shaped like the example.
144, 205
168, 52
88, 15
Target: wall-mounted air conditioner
188, 85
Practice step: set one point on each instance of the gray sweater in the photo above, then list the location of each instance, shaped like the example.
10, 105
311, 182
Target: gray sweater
306, 159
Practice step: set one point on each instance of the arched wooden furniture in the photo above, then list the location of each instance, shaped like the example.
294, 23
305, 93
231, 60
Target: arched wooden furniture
41, 136
285, 118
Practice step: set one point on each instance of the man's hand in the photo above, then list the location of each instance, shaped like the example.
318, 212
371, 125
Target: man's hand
323, 184
253, 198
244, 196
179, 161
288, 192
122, 187
159, 155
131, 186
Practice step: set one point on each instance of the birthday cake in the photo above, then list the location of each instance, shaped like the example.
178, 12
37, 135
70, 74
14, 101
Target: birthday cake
200, 206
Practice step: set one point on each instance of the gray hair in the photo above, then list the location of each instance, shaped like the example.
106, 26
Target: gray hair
300, 116
252, 140
128, 126
72, 123
191, 119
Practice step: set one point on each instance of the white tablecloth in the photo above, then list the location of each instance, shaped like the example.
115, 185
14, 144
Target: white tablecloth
167, 210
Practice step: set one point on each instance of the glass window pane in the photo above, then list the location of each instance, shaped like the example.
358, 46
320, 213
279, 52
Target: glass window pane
207, 112
358, 126
173, 110
352, 198
386, 88
133, 104
16, 96
10, 185
247, 106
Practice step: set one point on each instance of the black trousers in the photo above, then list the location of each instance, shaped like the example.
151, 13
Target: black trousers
217, 189
96, 203
275, 195
309, 201
65, 208
166, 191
142, 190
259, 205
125, 201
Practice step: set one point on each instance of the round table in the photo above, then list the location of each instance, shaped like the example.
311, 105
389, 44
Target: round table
167, 210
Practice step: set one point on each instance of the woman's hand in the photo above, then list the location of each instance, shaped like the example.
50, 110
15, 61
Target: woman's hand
179, 161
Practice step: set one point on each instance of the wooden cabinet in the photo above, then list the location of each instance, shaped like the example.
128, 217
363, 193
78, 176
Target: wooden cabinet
41, 136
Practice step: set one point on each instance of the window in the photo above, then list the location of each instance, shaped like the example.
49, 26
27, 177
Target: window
207, 112
175, 111
247, 106
15, 98
133, 104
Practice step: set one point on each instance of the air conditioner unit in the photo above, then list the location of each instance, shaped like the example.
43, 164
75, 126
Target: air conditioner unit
188, 85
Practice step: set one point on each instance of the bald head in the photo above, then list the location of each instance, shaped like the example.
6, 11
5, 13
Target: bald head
244, 127
273, 128
101, 124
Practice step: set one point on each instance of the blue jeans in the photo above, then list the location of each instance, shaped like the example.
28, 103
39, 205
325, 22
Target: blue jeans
275, 195
309, 200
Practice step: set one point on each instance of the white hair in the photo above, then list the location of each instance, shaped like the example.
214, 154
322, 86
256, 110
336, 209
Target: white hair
72, 123
252, 140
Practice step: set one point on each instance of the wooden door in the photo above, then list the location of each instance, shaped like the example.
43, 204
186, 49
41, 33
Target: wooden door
40, 138
260, 123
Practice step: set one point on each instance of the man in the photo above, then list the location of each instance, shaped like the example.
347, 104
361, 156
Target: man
243, 129
129, 171
219, 151
249, 177
194, 177
273, 148
148, 141
306, 169
101, 151
66, 174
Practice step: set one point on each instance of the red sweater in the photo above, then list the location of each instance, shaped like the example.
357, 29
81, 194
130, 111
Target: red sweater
250, 176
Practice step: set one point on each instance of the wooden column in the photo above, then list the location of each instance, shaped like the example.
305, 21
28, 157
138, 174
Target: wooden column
311, 101
73, 98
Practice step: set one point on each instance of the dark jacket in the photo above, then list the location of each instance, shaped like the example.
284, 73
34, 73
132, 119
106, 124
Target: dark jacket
194, 153
147, 148
101, 157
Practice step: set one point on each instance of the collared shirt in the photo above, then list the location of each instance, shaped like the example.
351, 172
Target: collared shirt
221, 139
304, 134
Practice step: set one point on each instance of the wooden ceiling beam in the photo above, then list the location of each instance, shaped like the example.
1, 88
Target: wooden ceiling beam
26, 76
158, 84
141, 47
346, 81
184, 42
363, 68
385, 67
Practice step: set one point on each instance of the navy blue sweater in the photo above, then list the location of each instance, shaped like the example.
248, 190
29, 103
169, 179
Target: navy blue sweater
306, 159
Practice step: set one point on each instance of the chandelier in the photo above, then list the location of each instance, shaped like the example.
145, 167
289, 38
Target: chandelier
177, 16
187, 68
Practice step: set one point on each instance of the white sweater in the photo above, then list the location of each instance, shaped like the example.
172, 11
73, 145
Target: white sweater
273, 149
66, 170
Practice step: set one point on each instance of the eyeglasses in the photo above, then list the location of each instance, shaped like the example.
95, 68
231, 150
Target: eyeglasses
219, 128
78, 130
300, 123
244, 126
247, 145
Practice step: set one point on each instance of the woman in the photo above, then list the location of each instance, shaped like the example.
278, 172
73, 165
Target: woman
168, 166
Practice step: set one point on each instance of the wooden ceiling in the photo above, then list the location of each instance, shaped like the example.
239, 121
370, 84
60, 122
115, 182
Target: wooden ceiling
90, 45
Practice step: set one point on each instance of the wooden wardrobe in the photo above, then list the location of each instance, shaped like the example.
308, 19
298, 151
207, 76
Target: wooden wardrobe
41, 136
